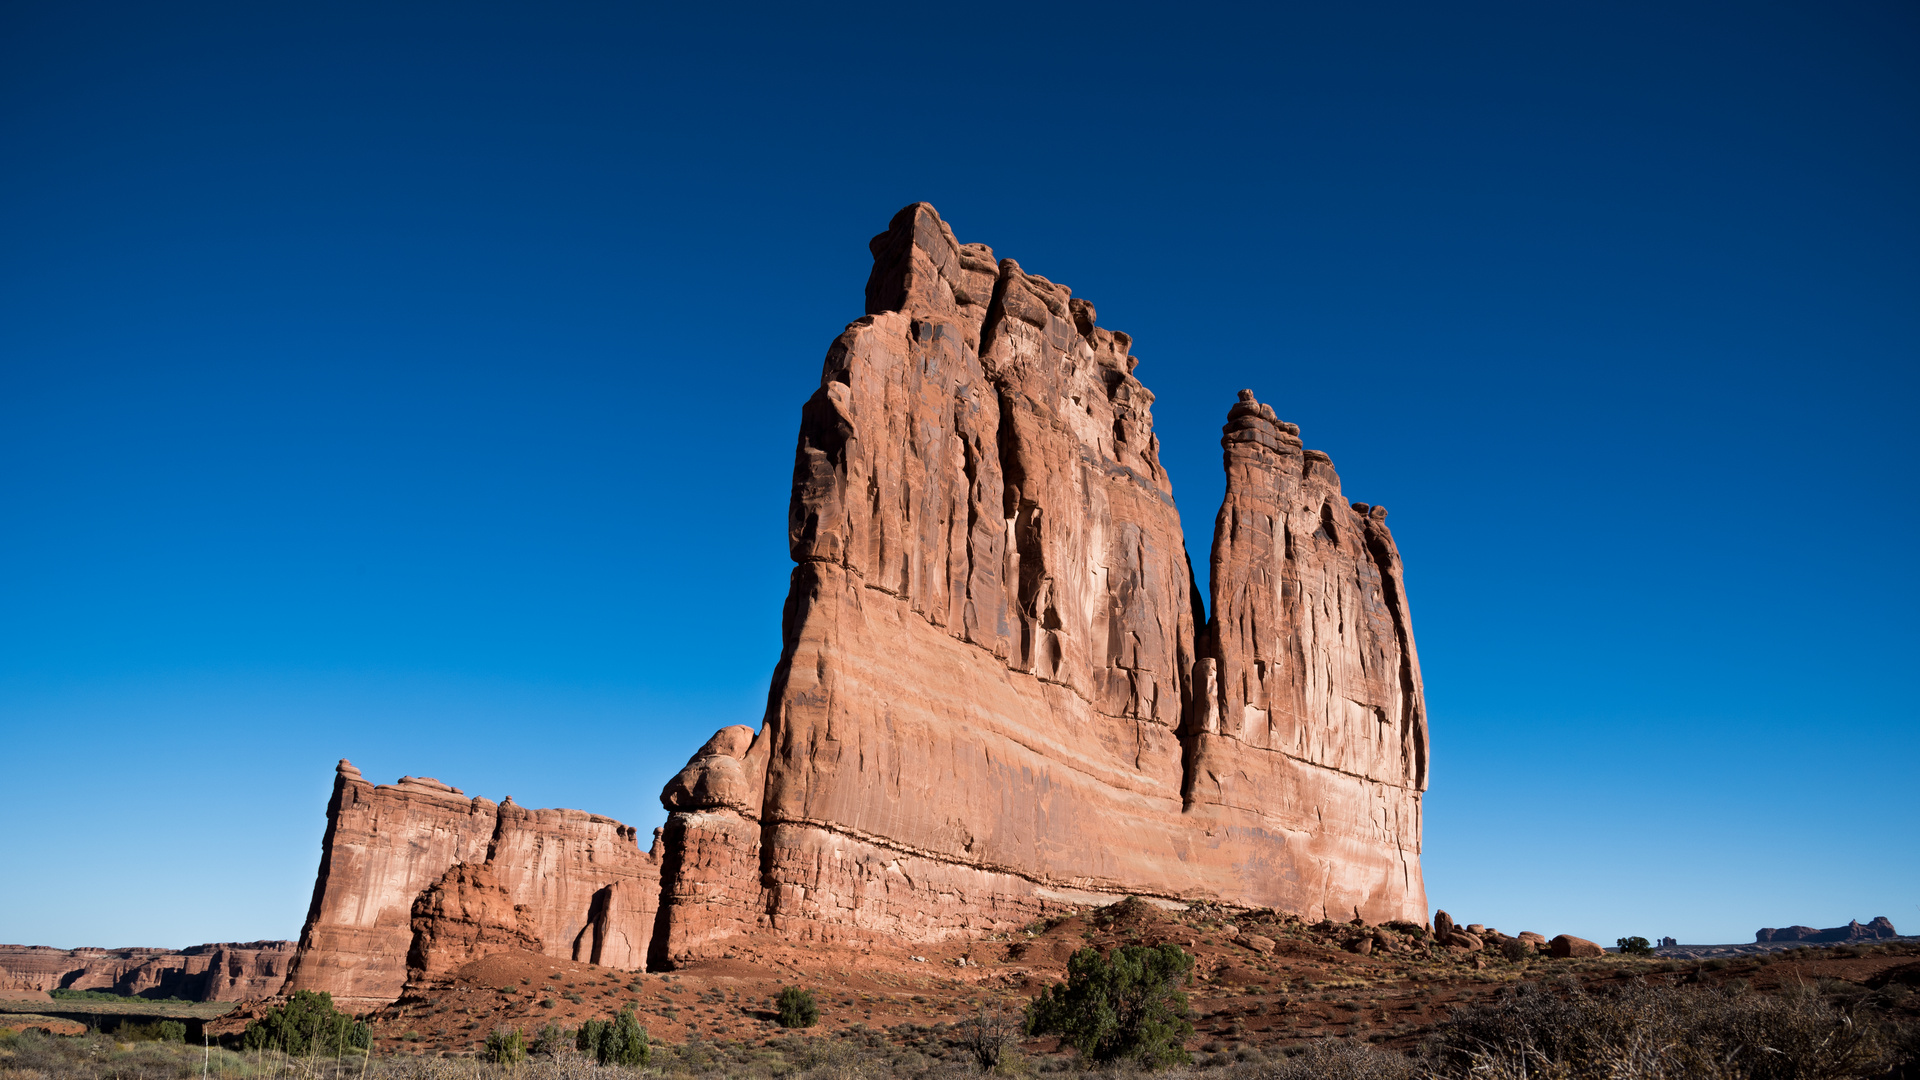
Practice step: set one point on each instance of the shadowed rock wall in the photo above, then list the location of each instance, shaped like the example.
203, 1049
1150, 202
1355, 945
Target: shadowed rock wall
986, 704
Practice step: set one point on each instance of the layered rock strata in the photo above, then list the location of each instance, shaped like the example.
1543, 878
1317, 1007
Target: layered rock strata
998, 691
226, 971
417, 879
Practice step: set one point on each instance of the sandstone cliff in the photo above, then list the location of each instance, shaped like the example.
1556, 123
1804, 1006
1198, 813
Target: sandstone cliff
417, 878
997, 694
227, 971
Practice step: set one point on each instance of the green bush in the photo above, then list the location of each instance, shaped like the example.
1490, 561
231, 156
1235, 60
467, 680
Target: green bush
797, 1008
307, 1022
1124, 1005
551, 1040
1635, 946
620, 1041
160, 1031
505, 1047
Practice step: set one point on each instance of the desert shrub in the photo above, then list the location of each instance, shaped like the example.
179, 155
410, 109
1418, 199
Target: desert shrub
1328, 1059
987, 1035
1640, 1031
1127, 1005
1634, 946
550, 1041
505, 1046
797, 1008
620, 1041
307, 1022
160, 1031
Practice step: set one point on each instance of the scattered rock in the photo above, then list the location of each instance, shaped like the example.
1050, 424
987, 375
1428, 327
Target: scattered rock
1565, 946
1255, 942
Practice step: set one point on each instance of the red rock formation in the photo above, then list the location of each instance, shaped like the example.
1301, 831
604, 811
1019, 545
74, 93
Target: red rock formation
406, 869
986, 703
228, 971
464, 916
1313, 725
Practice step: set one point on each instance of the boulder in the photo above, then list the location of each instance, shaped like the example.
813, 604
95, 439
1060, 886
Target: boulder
1464, 940
1255, 942
1538, 941
1442, 926
1565, 946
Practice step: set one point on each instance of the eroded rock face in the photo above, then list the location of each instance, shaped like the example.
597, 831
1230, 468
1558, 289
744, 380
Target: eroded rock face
466, 915
996, 694
417, 874
226, 971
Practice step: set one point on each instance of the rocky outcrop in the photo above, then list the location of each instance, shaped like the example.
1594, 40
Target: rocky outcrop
465, 916
998, 692
1879, 929
227, 971
415, 876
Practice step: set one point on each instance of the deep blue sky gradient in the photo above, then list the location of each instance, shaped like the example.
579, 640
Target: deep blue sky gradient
417, 384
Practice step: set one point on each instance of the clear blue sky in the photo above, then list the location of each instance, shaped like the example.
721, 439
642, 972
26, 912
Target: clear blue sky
418, 384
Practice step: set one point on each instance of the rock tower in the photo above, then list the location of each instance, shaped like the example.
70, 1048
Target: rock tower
998, 691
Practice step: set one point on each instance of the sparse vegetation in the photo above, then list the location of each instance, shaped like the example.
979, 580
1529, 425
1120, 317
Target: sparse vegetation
988, 1035
63, 994
1640, 1031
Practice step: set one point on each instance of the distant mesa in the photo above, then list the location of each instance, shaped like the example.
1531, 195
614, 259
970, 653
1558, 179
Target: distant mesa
225, 971
1879, 929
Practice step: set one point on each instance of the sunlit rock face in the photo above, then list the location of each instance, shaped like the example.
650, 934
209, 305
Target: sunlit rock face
998, 693
417, 875
223, 971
